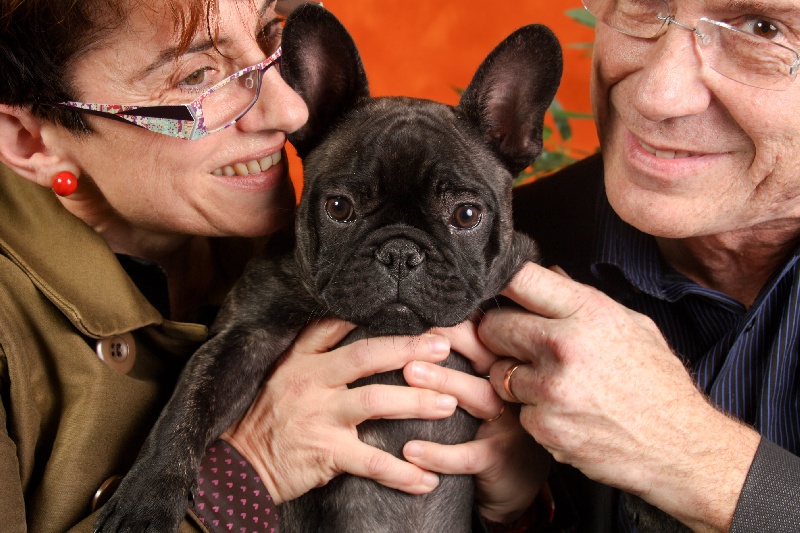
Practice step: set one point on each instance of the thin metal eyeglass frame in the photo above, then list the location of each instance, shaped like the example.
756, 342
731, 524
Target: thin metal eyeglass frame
184, 121
669, 18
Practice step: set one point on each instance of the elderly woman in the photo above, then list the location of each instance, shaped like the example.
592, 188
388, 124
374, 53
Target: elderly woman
135, 184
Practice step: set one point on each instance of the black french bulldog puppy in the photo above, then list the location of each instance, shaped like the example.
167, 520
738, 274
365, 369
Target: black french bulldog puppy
404, 224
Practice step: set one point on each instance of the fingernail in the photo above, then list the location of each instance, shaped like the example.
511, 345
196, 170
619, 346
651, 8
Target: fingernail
445, 401
439, 345
430, 480
420, 371
413, 449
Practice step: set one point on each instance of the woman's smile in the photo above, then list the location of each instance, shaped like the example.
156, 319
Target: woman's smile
254, 166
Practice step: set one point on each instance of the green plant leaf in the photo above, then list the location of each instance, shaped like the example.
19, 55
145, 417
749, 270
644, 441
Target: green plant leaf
561, 121
581, 16
560, 113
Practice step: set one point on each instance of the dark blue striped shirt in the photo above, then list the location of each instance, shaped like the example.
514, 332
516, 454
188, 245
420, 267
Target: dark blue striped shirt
746, 360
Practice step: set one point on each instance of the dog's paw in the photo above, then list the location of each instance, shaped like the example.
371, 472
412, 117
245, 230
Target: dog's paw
147, 501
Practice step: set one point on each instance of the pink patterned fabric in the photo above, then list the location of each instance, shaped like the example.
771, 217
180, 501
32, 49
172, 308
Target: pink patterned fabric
230, 495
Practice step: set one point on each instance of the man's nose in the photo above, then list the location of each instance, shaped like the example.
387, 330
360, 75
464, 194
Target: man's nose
672, 82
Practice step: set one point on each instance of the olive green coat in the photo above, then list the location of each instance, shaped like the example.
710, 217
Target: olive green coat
69, 420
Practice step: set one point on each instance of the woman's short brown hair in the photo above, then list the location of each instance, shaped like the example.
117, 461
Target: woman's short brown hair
40, 38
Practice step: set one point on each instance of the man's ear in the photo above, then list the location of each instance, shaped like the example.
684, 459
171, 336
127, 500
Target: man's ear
23, 147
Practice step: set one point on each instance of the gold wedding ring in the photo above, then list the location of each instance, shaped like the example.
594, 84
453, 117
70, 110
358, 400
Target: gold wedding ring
507, 381
502, 410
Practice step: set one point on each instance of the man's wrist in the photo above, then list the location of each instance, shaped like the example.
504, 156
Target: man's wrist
717, 462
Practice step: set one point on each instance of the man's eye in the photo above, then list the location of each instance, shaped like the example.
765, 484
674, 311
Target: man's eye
762, 28
765, 28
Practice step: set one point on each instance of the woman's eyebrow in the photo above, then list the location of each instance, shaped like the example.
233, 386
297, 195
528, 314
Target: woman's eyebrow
265, 6
172, 53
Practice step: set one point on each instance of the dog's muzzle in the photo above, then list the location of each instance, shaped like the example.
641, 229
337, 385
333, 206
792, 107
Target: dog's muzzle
400, 256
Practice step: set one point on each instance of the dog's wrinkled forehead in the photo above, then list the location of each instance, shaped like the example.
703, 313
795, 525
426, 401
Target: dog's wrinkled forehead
408, 145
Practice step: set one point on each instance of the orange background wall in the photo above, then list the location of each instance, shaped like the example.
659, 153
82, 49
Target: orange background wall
429, 48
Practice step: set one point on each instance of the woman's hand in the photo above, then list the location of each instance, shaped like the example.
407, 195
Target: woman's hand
301, 430
508, 465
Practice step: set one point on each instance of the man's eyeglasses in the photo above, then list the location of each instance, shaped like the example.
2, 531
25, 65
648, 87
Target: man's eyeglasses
739, 55
214, 110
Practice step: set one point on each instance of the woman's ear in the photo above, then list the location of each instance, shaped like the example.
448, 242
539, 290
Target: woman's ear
24, 150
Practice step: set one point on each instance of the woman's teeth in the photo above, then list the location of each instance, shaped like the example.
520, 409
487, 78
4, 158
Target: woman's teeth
663, 154
250, 167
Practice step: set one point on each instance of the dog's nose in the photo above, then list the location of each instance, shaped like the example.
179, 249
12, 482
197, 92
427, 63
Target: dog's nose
400, 256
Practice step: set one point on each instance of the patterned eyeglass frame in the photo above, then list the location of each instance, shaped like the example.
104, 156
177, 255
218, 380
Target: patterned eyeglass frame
184, 121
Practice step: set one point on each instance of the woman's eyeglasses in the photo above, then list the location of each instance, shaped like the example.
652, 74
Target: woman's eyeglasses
214, 110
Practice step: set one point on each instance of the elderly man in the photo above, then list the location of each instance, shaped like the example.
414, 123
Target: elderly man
681, 383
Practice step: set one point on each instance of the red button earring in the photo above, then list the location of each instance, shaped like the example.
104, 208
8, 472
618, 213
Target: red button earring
65, 183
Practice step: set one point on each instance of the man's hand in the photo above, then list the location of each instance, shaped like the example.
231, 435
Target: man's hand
602, 391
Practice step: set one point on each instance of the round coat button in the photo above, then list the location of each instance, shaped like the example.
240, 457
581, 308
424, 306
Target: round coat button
105, 492
118, 352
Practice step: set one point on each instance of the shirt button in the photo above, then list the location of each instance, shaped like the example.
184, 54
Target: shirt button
118, 352
105, 492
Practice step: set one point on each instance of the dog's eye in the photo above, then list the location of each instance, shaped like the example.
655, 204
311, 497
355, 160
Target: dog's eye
340, 209
466, 216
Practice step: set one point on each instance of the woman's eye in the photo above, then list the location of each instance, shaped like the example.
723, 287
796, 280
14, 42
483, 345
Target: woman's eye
198, 77
340, 209
466, 216
269, 38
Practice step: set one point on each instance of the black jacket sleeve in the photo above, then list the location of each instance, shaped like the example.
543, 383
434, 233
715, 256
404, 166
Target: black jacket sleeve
770, 498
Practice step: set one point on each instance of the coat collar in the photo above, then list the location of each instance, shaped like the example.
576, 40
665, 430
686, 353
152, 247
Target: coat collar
68, 261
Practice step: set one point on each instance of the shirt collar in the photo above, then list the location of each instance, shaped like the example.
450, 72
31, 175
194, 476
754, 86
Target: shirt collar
621, 246
636, 256
68, 261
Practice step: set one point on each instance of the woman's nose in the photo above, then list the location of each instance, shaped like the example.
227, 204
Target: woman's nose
278, 107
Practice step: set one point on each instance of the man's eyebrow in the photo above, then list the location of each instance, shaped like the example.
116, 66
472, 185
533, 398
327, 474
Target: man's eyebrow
760, 6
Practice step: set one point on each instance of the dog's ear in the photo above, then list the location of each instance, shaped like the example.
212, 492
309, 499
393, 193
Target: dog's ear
321, 63
511, 92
